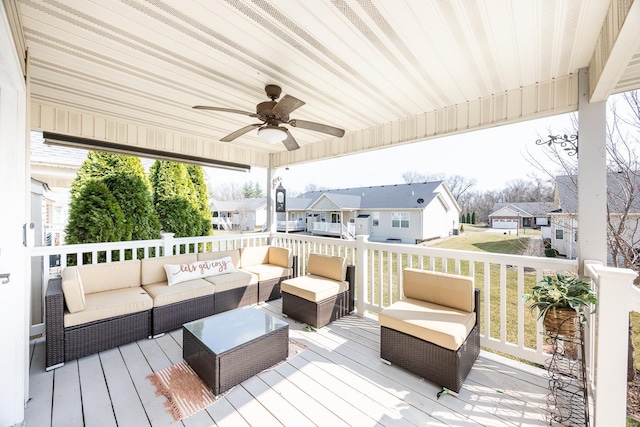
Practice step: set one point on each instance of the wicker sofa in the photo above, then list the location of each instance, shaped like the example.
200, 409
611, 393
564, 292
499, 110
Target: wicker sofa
95, 307
325, 294
433, 331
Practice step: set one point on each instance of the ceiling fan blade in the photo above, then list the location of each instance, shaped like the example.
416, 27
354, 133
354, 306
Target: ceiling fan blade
290, 142
286, 105
240, 132
226, 110
303, 124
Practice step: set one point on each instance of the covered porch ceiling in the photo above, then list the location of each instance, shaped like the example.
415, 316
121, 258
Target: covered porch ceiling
387, 72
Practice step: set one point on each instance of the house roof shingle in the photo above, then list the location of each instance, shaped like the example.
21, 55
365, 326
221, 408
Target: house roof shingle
398, 196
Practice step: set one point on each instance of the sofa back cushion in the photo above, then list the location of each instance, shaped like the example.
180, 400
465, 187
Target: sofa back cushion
254, 255
449, 290
178, 273
280, 256
73, 290
152, 269
331, 267
234, 254
109, 276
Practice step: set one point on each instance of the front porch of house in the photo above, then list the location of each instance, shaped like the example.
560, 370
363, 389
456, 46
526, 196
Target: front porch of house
338, 380
349, 349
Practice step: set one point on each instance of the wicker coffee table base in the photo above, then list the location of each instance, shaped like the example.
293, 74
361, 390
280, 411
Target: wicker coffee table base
223, 371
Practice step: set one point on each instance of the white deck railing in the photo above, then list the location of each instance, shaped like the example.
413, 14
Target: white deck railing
506, 324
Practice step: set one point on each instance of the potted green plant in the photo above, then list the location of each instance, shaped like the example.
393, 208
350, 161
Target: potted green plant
559, 297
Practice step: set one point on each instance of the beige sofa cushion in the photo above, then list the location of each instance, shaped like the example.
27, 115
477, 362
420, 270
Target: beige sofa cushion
106, 304
313, 288
449, 290
73, 290
282, 257
152, 269
239, 279
165, 295
331, 267
443, 326
254, 255
268, 271
234, 254
109, 276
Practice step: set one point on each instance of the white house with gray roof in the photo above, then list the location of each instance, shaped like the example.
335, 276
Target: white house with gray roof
401, 213
620, 207
239, 215
520, 215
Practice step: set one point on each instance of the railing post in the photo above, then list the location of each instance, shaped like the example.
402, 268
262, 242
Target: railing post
167, 243
612, 335
362, 269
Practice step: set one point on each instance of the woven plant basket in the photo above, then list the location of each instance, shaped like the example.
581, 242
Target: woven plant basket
562, 321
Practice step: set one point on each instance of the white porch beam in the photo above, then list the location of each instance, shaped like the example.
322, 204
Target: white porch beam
543, 99
617, 43
592, 176
120, 132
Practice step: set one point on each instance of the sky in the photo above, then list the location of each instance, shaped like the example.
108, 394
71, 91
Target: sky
493, 156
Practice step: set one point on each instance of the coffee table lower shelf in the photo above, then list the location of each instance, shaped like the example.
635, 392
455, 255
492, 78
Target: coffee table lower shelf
223, 371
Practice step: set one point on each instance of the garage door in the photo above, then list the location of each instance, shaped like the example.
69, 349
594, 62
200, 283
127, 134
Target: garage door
505, 223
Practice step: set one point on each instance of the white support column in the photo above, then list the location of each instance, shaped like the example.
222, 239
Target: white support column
272, 225
15, 262
362, 279
167, 243
592, 175
615, 287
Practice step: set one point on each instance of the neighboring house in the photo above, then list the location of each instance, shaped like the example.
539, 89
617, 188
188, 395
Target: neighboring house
406, 213
239, 215
564, 218
520, 215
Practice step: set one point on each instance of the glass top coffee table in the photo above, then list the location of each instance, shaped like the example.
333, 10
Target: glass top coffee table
228, 348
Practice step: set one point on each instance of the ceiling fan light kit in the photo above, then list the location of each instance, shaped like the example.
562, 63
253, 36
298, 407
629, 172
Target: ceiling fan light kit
273, 114
272, 134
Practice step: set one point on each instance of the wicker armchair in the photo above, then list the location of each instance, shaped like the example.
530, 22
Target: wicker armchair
325, 294
434, 330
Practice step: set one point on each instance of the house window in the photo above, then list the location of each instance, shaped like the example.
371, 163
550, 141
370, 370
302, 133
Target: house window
376, 219
400, 219
560, 230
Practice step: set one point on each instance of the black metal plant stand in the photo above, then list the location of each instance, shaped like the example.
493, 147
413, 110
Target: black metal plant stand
568, 399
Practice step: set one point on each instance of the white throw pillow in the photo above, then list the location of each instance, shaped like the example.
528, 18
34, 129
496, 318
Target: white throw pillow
177, 273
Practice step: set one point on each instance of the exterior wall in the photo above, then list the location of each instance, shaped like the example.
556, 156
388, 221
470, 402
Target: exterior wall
566, 227
439, 222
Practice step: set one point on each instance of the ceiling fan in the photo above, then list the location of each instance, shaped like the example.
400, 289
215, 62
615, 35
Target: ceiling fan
272, 114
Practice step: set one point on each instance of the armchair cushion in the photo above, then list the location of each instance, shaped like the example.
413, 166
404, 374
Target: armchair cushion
444, 289
331, 267
438, 324
313, 287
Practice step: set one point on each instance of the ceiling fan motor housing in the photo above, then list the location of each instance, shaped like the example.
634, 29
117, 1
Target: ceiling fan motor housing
273, 91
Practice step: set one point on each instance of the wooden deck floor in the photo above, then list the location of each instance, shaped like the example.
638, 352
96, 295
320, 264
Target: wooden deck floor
338, 380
